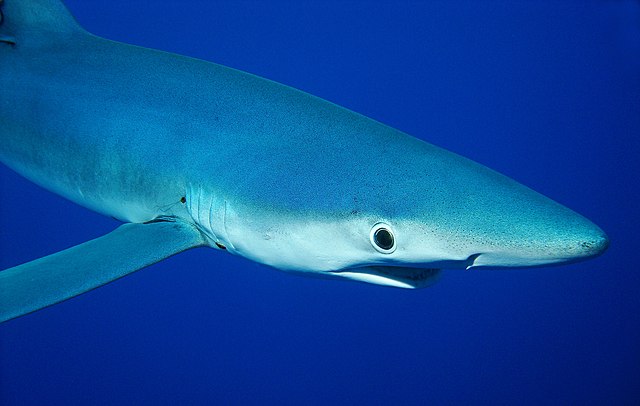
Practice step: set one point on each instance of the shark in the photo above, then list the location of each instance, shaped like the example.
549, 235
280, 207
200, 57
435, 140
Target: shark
188, 153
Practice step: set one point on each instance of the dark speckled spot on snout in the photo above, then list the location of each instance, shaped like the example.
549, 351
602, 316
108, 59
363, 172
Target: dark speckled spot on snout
596, 246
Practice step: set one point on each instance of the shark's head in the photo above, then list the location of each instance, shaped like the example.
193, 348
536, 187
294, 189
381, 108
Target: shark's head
406, 210
322, 190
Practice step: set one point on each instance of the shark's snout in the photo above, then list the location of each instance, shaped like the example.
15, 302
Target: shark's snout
594, 244
572, 240
585, 243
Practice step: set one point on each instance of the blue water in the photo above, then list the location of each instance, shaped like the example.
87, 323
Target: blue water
546, 92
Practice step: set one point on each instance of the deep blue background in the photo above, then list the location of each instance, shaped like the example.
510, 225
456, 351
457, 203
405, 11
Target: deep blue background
546, 92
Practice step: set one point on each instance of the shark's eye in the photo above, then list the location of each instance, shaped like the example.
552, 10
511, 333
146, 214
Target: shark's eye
382, 238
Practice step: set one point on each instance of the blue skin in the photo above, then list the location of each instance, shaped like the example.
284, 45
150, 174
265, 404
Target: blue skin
267, 171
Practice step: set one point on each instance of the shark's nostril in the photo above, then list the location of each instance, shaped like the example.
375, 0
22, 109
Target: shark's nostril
595, 246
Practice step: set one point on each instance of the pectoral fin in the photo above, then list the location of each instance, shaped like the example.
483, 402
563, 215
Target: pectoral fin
65, 274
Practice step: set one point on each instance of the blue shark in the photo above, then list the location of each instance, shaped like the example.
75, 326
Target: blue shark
189, 153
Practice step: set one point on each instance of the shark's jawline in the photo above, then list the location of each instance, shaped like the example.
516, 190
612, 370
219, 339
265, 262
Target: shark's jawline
403, 277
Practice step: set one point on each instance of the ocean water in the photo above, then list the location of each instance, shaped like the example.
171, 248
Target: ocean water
547, 92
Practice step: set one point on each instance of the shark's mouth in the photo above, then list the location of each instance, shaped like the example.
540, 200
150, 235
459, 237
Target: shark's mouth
401, 277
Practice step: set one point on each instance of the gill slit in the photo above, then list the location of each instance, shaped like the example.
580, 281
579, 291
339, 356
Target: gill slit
224, 225
199, 194
210, 219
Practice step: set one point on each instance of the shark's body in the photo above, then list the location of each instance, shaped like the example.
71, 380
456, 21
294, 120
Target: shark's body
198, 154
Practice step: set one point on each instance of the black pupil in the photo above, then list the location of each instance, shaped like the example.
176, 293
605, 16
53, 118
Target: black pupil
383, 239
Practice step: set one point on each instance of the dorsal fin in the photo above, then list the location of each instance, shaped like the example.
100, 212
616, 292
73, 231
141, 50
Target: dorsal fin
34, 22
